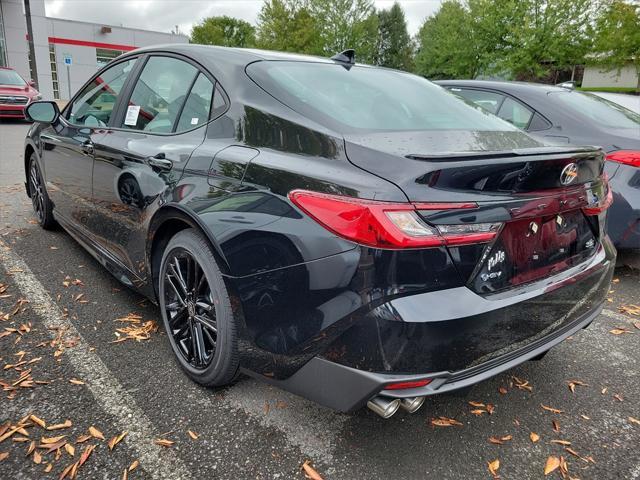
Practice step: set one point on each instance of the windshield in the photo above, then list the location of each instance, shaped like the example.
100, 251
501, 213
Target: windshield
365, 98
9, 77
601, 111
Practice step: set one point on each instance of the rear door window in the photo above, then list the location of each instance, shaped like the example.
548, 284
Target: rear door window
197, 106
515, 113
158, 97
489, 101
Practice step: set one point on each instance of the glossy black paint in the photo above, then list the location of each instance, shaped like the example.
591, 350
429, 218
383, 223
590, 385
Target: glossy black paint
298, 291
565, 125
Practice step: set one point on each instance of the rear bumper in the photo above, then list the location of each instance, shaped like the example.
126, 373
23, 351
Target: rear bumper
347, 389
453, 336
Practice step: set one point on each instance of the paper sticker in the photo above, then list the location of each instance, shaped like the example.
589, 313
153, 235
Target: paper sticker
132, 115
194, 121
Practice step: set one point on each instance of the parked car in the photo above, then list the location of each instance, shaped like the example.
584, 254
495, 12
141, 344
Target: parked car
15, 93
352, 234
561, 115
628, 101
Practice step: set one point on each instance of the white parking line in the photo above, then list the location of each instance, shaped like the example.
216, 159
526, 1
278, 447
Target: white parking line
110, 396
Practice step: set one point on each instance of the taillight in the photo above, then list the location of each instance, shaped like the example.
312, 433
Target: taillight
626, 157
406, 385
388, 225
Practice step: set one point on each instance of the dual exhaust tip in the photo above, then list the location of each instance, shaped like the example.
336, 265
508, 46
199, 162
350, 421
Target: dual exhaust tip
386, 407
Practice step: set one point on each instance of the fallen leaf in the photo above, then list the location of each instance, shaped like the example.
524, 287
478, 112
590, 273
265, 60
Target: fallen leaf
556, 426
48, 468
75, 381
634, 420
620, 331
476, 404
69, 448
574, 383
3, 455
96, 433
67, 471
59, 426
502, 391
550, 409
163, 442
37, 421
478, 412
116, 440
86, 453
534, 437
490, 408
193, 435
310, 472
37, 458
500, 440
444, 422
83, 438
493, 467
50, 440
630, 309
552, 464
133, 465
564, 443
618, 397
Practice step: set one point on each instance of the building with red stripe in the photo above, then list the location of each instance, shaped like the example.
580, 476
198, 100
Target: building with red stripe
36, 46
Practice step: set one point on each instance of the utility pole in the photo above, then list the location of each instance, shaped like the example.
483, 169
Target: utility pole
32, 51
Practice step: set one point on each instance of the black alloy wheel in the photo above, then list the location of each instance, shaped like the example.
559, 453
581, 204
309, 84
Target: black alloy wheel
42, 206
196, 310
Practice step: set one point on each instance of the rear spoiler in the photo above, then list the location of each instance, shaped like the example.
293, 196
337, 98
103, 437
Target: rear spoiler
481, 155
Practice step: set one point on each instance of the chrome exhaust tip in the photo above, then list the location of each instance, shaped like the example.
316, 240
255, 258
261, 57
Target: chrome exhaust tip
411, 405
385, 407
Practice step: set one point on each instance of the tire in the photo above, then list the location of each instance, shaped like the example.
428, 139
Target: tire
184, 314
42, 206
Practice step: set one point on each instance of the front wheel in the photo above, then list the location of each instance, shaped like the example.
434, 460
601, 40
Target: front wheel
42, 206
196, 310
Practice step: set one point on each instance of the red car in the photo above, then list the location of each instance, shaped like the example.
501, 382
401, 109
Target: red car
15, 93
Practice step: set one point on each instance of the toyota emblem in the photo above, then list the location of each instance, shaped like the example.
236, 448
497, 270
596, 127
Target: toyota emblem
569, 174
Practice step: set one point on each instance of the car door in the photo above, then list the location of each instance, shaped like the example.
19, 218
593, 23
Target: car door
68, 145
161, 121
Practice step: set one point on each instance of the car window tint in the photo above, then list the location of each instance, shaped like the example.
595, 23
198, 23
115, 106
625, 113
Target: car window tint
514, 112
597, 109
370, 99
94, 105
490, 101
159, 94
196, 108
538, 122
219, 102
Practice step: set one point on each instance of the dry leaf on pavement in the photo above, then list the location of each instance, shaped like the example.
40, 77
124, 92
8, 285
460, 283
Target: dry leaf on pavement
551, 409
552, 464
534, 437
310, 472
493, 467
96, 433
116, 440
445, 422
163, 442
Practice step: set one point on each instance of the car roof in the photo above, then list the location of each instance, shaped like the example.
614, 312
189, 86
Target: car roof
239, 56
515, 87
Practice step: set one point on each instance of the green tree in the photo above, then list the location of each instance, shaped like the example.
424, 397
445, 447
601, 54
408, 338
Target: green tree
224, 31
617, 39
394, 47
346, 24
445, 44
288, 26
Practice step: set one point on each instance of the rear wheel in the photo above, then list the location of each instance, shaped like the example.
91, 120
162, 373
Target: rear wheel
196, 310
42, 206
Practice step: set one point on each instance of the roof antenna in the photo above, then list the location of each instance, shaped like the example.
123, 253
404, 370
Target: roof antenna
347, 58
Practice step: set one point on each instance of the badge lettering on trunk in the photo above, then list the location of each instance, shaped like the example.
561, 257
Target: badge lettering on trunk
495, 259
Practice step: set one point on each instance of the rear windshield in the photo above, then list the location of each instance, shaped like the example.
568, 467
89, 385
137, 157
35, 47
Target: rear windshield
365, 98
9, 77
601, 111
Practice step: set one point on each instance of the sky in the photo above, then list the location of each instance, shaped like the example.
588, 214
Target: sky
164, 15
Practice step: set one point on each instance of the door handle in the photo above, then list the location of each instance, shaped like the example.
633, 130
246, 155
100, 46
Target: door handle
159, 162
87, 147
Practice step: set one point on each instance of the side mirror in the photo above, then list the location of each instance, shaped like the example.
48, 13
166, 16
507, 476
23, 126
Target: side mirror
43, 112
32, 83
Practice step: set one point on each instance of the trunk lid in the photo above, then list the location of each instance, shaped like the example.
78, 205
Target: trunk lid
541, 195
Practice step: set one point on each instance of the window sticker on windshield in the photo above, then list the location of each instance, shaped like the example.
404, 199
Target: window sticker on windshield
132, 115
194, 121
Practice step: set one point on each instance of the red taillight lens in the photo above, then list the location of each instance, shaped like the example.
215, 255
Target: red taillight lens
388, 225
406, 385
627, 157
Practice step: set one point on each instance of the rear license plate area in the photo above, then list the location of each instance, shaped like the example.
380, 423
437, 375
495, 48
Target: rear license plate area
530, 249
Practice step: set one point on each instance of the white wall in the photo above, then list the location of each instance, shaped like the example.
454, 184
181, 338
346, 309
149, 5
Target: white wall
596, 77
15, 31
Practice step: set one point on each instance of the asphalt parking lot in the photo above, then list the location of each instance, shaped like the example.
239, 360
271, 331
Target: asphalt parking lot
58, 362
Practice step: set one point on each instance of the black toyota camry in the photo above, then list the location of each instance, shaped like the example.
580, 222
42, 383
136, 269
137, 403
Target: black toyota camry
352, 234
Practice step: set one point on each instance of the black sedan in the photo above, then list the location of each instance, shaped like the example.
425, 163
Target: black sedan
352, 234
561, 115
